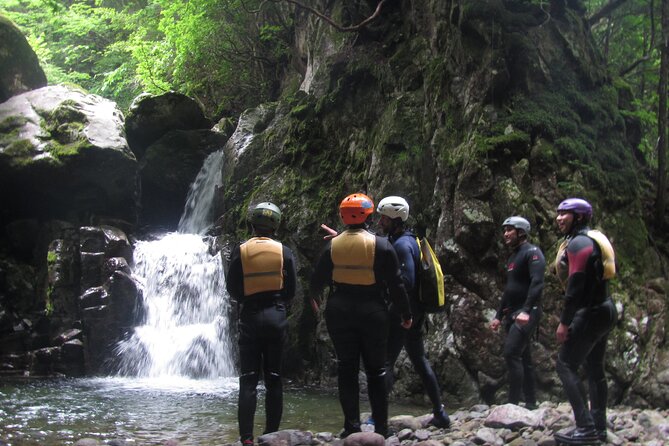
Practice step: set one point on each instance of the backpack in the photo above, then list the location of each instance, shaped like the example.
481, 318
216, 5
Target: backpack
430, 279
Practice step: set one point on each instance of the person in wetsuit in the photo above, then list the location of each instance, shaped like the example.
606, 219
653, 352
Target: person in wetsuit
520, 308
360, 267
587, 318
261, 278
394, 213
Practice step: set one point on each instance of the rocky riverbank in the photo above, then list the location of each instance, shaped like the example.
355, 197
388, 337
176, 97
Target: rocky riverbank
479, 425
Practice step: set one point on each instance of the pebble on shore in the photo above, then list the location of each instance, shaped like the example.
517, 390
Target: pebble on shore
506, 424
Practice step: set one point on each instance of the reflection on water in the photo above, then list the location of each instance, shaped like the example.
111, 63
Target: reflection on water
148, 412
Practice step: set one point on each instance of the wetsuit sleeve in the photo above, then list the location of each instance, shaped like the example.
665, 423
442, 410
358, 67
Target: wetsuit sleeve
500, 311
290, 273
406, 260
387, 268
579, 250
504, 303
234, 279
322, 274
536, 264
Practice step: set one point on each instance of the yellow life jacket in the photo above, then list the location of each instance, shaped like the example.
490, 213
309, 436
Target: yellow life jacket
262, 264
608, 257
352, 255
561, 265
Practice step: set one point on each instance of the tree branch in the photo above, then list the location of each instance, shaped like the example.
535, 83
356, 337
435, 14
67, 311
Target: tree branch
334, 24
636, 63
605, 11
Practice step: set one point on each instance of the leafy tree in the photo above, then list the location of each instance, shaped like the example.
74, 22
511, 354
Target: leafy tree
224, 53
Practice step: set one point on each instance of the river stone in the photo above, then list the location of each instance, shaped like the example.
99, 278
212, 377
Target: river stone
422, 434
365, 439
88, 442
429, 443
286, 437
404, 422
513, 417
488, 436
21, 71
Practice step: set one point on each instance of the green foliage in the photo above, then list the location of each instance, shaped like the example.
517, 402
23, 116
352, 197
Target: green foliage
224, 53
625, 37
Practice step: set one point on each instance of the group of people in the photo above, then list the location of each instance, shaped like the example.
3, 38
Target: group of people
584, 264
373, 311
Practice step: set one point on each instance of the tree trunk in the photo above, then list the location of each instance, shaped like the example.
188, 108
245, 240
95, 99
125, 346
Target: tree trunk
660, 203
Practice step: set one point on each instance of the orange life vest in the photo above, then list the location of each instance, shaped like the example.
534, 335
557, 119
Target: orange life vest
353, 257
262, 264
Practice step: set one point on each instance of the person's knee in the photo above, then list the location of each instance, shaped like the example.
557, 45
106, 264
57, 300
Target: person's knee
248, 378
376, 373
272, 380
564, 368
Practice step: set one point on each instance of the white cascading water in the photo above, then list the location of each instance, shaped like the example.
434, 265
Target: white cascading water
186, 330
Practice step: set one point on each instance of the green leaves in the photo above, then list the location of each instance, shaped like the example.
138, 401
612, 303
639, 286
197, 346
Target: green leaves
226, 53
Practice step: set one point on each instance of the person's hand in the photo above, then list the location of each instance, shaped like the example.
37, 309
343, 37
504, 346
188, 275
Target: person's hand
314, 306
522, 318
562, 333
494, 324
331, 232
406, 324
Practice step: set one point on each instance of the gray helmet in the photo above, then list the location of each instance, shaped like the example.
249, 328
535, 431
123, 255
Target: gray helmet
266, 216
518, 223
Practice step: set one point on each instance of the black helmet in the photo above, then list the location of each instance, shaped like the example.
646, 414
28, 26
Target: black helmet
518, 223
266, 216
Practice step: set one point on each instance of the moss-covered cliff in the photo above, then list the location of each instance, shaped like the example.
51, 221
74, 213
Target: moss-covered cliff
473, 111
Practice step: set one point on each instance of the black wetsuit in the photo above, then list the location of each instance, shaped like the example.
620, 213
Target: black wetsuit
412, 339
357, 321
590, 314
524, 285
262, 330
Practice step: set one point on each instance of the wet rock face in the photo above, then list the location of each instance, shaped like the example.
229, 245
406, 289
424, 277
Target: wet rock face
21, 71
406, 107
168, 168
75, 306
152, 116
64, 155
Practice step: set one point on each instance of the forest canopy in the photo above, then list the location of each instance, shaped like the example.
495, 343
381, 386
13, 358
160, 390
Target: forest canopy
227, 54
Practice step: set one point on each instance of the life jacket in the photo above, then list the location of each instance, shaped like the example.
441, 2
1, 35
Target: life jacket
607, 253
608, 256
352, 254
262, 264
431, 291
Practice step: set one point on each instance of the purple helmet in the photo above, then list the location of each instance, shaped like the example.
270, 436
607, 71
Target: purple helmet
576, 205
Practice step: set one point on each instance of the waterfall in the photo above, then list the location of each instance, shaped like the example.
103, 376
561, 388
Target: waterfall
198, 213
185, 332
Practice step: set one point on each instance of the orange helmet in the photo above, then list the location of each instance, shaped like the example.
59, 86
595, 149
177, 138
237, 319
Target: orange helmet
355, 209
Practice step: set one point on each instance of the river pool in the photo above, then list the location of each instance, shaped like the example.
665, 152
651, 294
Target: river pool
148, 412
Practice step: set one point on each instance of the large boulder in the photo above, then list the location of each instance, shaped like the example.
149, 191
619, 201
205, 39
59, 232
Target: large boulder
63, 154
151, 116
21, 71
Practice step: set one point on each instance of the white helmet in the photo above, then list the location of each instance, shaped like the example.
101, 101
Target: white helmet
394, 207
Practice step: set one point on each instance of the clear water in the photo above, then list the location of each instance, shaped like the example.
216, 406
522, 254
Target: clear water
151, 411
